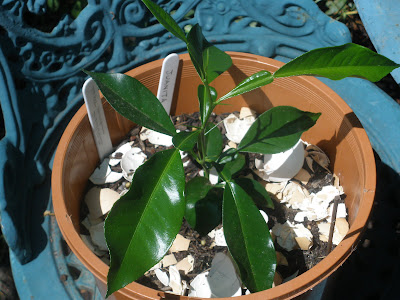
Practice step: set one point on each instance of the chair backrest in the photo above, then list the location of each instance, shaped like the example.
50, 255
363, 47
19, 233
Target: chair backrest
41, 78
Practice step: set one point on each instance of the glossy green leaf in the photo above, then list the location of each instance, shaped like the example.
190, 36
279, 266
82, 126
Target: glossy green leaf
252, 82
216, 62
143, 223
185, 141
134, 101
227, 156
256, 191
231, 167
196, 44
214, 142
277, 130
165, 19
349, 60
208, 60
203, 205
248, 239
206, 100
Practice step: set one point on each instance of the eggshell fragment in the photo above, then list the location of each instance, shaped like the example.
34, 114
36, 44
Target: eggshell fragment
103, 174
220, 238
246, 112
175, 280
186, 264
130, 161
100, 201
303, 176
282, 166
290, 236
223, 280
168, 260
342, 226
156, 138
115, 157
200, 287
180, 244
162, 276
97, 235
237, 128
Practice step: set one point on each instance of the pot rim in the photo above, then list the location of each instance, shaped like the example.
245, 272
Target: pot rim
286, 290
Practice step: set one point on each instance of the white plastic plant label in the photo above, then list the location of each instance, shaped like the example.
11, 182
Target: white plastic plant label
166, 87
97, 118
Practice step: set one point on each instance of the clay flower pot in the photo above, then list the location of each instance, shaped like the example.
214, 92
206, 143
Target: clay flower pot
337, 132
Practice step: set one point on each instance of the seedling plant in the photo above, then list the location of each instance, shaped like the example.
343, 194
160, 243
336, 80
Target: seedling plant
143, 223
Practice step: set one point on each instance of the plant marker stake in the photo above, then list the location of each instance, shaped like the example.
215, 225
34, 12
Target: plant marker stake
166, 87
97, 118
333, 222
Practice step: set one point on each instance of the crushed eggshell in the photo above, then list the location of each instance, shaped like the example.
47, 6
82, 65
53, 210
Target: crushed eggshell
100, 201
342, 226
246, 112
304, 237
115, 157
162, 276
340, 212
103, 174
281, 166
223, 279
289, 236
180, 244
237, 128
168, 260
130, 161
232, 145
200, 287
318, 156
324, 233
220, 238
186, 264
285, 235
97, 235
175, 280
156, 138
274, 189
303, 176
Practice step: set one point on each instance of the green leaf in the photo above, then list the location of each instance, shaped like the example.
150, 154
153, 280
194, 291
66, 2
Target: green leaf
185, 141
256, 191
277, 130
208, 60
206, 100
214, 142
143, 223
231, 167
195, 45
203, 205
248, 239
134, 101
227, 156
252, 82
165, 19
349, 60
216, 62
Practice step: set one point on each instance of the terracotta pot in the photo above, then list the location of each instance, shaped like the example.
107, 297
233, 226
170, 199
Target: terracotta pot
337, 132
